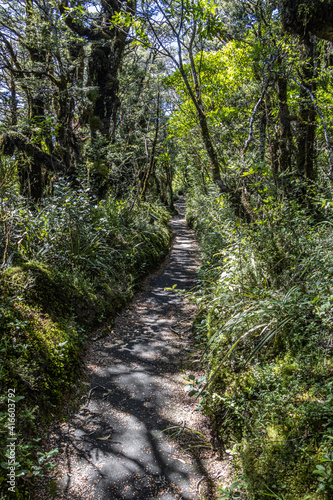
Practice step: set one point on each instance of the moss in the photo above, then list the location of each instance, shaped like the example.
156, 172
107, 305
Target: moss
59, 151
53, 489
41, 356
95, 123
57, 295
92, 95
47, 313
279, 465
24, 370
314, 16
42, 285
102, 168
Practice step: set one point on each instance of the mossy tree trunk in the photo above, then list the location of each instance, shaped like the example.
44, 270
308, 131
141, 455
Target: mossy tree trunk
308, 16
69, 150
152, 160
306, 125
285, 139
31, 171
262, 132
108, 45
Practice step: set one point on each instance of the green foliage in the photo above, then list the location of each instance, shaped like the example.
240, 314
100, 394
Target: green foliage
233, 492
226, 76
237, 93
266, 295
324, 471
67, 265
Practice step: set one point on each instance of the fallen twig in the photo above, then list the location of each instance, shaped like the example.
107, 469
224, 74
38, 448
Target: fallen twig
198, 483
91, 391
180, 333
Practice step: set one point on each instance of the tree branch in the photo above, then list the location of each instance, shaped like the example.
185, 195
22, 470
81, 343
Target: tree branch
14, 140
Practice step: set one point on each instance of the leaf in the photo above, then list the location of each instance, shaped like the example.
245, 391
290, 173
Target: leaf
18, 398
62, 344
320, 472
52, 452
105, 438
234, 485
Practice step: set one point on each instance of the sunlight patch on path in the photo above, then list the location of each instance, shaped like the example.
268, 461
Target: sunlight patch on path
114, 448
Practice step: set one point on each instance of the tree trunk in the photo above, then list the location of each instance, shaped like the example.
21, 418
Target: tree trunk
306, 125
152, 160
209, 147
13, 100
197, 101
285, 140
108, 45
308, 16
36, 104
262, 132
102, 71
104, 63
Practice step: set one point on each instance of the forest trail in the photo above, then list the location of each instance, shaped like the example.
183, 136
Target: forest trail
136, 390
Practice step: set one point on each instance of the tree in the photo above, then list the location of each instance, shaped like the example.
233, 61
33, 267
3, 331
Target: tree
313, 17
45, 47
182, 32
107, 49
40, 57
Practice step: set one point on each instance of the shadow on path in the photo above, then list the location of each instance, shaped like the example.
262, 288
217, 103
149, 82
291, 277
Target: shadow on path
113, 447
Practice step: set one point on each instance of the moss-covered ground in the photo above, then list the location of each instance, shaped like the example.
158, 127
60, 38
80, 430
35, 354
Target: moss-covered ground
66, 278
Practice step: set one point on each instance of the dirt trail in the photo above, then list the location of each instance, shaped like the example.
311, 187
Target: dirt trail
109, 448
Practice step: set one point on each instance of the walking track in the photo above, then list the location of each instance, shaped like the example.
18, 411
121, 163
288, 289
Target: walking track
112, 447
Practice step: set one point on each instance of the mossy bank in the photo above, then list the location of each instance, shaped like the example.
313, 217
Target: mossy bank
72, 267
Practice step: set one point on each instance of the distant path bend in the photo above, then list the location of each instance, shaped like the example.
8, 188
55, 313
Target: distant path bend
135, 391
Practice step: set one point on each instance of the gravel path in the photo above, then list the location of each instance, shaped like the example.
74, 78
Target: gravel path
112, 447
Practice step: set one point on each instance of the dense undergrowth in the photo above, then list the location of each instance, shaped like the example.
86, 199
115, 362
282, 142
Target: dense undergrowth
265, 325
66, 267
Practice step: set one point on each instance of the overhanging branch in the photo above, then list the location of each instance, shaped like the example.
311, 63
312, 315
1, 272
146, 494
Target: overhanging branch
14, 140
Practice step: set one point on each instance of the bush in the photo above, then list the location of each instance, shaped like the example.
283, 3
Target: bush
66, 266
266, 303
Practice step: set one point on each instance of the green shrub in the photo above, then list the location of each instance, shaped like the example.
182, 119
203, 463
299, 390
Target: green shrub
66, 266
266, 298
